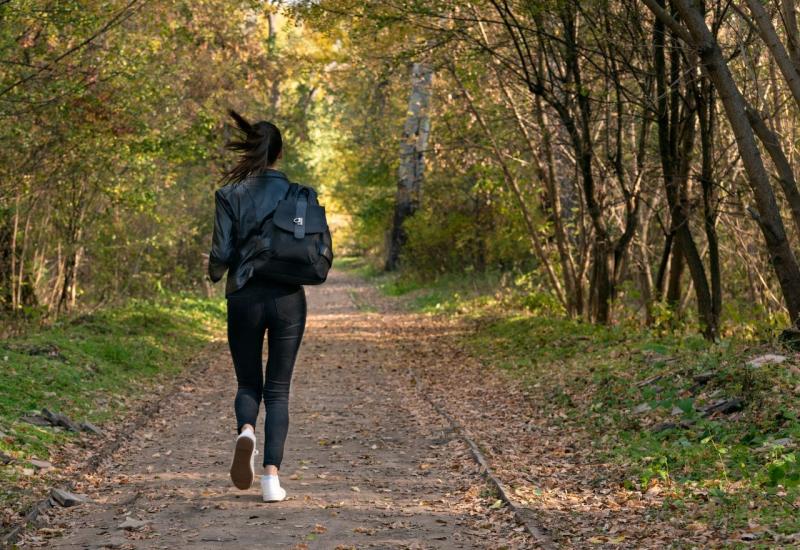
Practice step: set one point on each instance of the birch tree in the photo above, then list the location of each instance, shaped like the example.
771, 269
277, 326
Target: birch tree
413, 145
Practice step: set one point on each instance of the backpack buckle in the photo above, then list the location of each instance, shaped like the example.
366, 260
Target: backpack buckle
298, 221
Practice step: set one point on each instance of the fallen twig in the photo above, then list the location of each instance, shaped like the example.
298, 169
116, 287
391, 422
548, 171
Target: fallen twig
519, 513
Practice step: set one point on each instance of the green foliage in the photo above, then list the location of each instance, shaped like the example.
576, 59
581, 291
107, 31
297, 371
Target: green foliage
94, 367
118, 145
601, 377
783, 471
616, 384
449, 235
439, 243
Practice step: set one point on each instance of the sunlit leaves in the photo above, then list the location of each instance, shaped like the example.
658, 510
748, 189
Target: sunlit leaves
120, 142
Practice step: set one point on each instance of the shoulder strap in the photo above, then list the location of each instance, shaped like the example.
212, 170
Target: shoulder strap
292, 191
309, 192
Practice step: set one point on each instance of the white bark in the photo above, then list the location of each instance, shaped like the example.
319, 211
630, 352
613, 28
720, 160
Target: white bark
411, 171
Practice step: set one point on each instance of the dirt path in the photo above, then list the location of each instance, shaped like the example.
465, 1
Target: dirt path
369, 464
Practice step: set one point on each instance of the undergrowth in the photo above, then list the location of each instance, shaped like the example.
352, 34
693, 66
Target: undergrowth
92, 368
642, 395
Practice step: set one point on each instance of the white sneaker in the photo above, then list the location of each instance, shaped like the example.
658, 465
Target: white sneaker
271, 489
242, 470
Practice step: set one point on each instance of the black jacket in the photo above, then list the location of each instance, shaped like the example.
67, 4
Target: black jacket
240, 208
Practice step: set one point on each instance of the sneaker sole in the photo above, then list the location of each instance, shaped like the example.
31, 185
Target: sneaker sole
272, 497
275, 499
242, 473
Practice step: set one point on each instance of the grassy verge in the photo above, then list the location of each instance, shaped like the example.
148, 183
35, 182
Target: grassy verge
449, 293
643, 398
91, 368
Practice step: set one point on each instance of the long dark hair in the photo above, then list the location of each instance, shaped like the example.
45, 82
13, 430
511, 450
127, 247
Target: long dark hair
259, 145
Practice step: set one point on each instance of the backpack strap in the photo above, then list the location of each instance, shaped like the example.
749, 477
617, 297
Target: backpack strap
292, 190
295, 193
302, 195
300, 216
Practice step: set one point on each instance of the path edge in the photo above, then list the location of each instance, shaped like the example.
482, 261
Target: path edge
104, 449
539, 536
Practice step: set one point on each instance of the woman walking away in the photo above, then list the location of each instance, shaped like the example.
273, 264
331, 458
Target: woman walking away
256, 305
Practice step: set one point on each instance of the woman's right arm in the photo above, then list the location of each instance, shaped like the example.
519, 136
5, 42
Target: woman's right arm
222, 245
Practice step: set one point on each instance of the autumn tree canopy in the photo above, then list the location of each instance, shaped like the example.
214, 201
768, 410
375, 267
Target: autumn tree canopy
622, 160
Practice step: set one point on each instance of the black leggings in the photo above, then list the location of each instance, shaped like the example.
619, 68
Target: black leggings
280, 312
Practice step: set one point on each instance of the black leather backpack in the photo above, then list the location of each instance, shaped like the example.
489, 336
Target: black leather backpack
295, 245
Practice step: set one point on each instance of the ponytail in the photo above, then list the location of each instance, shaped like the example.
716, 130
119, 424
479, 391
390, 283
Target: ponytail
260, 144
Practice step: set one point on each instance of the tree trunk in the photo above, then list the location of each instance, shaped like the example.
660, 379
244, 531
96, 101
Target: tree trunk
566, 293
790, 24
412, 160
663, 266
786, 178
601, 285
6, 270
674, 288
770, 37
707, 119
676, 131
69, 289
511, 182
275, 85
768, 214
572, 295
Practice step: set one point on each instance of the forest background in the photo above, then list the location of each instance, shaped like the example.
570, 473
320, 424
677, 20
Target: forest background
578, 149
627, 168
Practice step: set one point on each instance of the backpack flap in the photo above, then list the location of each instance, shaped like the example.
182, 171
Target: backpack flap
300, 217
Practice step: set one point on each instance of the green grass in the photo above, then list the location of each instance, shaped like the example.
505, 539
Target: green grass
357, 265
91, 368
448, 293
725, 470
